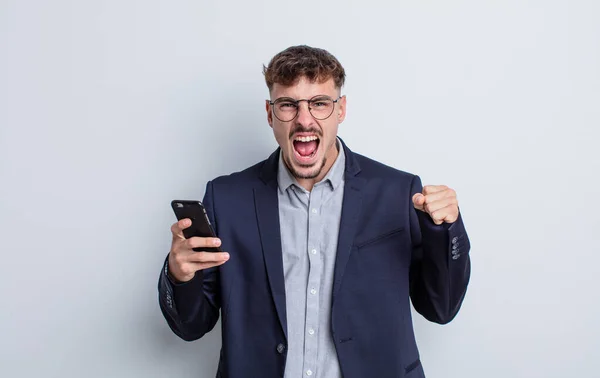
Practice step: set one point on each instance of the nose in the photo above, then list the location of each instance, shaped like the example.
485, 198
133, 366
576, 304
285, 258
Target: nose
304, 117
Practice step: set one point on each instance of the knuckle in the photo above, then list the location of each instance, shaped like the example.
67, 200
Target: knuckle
199, 242
203, 257
175, 249
210, 256
179, 259
192, 243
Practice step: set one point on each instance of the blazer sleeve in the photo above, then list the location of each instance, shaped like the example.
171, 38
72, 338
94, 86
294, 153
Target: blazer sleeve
440, 264
192, 308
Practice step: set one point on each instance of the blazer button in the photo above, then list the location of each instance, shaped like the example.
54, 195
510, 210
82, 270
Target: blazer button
454, 240
280, 348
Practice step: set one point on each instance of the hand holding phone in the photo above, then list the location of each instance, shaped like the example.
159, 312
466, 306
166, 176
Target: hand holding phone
195, 246
200, 227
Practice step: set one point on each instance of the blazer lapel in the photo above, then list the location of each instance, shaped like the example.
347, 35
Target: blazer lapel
351, 211
267, 212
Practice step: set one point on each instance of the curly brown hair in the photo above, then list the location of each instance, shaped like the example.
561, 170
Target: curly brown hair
297, 61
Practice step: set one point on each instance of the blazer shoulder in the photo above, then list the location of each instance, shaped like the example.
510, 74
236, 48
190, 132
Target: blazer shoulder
239, 179
372, 169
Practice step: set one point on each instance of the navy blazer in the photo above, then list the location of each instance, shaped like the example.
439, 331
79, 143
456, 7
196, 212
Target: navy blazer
387, 253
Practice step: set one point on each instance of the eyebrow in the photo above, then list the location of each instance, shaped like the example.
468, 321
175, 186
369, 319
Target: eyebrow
316, 97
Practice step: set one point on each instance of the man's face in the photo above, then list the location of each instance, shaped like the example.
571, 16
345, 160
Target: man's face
307, 144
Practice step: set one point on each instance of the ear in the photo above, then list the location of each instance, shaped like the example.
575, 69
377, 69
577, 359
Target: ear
341, 111
269, 113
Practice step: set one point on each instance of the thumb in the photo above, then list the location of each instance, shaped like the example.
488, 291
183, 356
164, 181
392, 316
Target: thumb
418, 201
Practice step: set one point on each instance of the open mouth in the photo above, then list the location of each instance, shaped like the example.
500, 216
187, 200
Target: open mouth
306, 147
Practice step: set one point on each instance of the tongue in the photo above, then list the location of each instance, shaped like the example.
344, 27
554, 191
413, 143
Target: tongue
305, 148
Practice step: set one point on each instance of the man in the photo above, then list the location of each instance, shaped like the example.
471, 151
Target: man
326, 248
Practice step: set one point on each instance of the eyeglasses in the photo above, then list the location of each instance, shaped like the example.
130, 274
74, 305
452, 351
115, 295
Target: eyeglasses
320, 107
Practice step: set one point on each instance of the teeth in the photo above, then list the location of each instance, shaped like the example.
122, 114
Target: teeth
306, 138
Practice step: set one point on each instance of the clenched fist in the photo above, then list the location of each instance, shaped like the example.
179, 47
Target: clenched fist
439, 202
184, 262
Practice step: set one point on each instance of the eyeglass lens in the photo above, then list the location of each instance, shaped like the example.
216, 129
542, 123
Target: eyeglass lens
287, 109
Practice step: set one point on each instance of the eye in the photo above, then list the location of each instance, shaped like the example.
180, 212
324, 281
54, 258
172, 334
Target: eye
318, 104
287, 105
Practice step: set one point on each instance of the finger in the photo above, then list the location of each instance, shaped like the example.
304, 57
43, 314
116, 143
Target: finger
202, 266
190, 268
191, 257
198, 242
208, 257
430, 189
447, 193
418, 200
177, 228
448, 214
430, 207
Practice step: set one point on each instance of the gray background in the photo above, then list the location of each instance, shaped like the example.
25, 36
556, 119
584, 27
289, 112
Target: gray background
110, 109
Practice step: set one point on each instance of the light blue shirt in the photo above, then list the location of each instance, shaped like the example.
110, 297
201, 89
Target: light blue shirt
309, 223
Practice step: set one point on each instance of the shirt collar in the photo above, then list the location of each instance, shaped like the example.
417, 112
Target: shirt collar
334, 177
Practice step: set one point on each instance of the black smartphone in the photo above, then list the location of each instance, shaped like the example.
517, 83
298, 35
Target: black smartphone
201, 226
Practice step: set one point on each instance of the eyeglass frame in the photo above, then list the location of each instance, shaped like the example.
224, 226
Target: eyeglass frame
297, 102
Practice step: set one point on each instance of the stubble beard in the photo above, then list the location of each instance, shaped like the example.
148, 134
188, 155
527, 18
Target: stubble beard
310, 175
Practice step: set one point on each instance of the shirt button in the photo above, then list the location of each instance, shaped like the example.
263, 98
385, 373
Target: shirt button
314, 251
311, 331
313, 291
309, 372
314, 212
